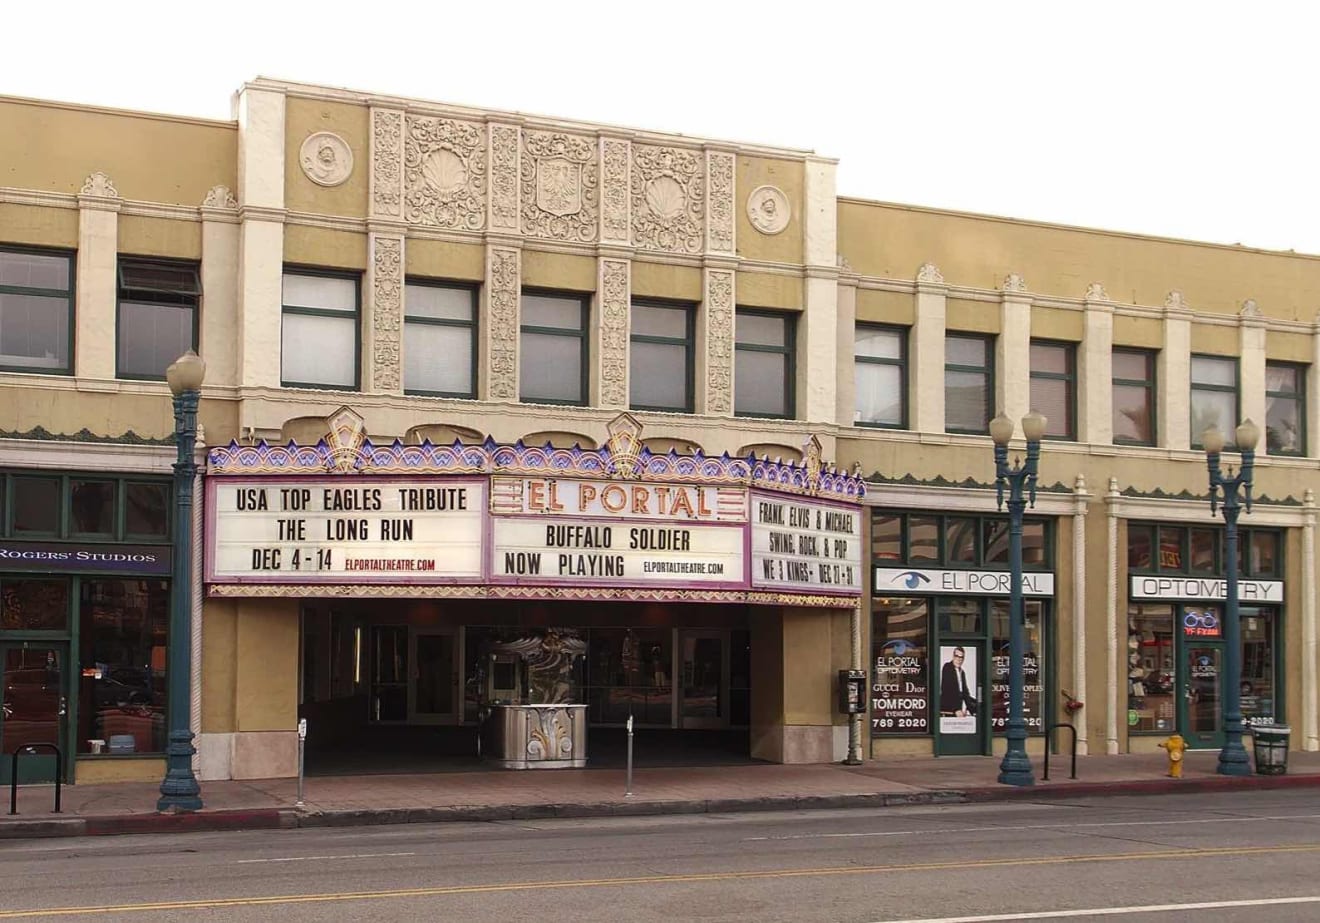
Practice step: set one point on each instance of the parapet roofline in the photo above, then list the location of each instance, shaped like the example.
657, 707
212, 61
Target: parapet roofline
108, 110
413, 104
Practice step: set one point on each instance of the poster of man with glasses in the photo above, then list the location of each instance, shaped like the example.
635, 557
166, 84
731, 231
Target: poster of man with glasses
957, 691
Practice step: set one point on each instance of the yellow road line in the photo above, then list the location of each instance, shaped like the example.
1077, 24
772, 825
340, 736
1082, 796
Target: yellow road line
405, 893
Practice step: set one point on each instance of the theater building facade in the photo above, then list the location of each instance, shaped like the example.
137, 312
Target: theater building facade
655, 428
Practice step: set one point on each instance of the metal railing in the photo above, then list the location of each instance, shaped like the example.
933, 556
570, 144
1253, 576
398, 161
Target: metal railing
13, 773
1049, 740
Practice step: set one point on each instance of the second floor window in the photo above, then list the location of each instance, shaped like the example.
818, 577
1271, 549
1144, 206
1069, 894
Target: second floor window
660, 360
880, 370
1214, 397
320, 343
157, 315
36, 311
1054, 387
1285, 409
1134, 397
440, 339
763, 364
969, 386
553, 349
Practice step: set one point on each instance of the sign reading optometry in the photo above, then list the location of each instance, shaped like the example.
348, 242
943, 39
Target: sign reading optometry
960, 582
319, 530
799, 545
1151, 586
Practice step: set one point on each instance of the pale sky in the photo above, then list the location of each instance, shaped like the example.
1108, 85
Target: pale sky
1182, 119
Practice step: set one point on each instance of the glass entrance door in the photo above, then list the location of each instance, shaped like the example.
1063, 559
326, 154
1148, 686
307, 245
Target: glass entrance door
433, 692
704, 671
389, 673
33, 706
961, 705
1203, 706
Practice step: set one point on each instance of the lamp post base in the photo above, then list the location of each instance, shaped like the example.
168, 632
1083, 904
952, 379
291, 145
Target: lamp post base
1233, 760
1015, 769
179, 792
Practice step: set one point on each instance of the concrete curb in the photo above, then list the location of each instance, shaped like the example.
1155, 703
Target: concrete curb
289, 818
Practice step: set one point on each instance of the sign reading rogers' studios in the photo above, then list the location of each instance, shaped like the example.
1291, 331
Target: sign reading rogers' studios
331, 529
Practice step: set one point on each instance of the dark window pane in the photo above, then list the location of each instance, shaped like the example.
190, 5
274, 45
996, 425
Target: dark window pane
146, 510
1034, 552
36, 506
1133, 414
1132, 365
900, 699
1141, 542
161, 278
923, 539
960, 540
34, 270
1264, 554
1052, 358
151, 336
1204, 542
1171, 550
441, 302
761, 330
966, 401
554, 311
887, 537
121, 695
34, 605
653, 320
93, 507
658, 376
970, 351
34, 331
959, 616
761, 383
996, 541
1150, 670
1053, 398
1258, 699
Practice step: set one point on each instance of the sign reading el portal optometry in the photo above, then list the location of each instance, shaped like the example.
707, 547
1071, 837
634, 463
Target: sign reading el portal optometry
916, 581
559, 530
320, 530
802, 544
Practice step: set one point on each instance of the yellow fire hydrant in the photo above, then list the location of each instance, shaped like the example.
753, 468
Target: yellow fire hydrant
1175, 746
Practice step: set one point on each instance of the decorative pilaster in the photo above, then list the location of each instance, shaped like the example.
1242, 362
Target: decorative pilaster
98, 246
502, 295
387, 164
1112, 662
384, 312
1310, 715
845, 400
1251, 364
926, 377
615, 197
1095, 423
720, 207
504, 167
1313, 393
1081, 500
715, 344
817, 383
1174, 368
261, 156
219, 334
614, 285
1013, 350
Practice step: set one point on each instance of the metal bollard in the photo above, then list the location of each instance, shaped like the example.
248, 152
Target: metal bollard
302, 745
627, 792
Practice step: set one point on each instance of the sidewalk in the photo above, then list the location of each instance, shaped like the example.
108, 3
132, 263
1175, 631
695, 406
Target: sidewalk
506, 795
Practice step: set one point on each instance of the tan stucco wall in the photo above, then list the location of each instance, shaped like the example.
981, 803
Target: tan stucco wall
266, 671
1288, 347
52, 147
971, 316
886, 307
789, 177
767, 706
38, 226
1141, 332
660, 280
558, 271
96, 772
140, 236
768, 290
891, 241
304, 117
443, 259
1055, 324
219, 661
305, 245
1218, 341
66, 411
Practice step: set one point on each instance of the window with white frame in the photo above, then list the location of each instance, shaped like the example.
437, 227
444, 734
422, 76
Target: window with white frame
320, 345
660, 358
1054, 387
880, 376
1285, 408
969, 386
36, 310
1133, 372
552, 351
440, 338
1214, 397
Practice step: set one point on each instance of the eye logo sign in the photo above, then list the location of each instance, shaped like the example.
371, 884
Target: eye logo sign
911, 579
897, 648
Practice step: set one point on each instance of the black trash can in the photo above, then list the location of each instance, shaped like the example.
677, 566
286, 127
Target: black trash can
1270, 746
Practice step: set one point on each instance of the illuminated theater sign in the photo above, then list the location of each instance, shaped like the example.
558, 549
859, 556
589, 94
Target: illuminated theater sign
499, 519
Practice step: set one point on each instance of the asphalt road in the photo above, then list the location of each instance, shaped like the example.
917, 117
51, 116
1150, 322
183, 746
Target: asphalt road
1236, 857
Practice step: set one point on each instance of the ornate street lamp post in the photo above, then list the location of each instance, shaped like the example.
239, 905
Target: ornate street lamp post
179, 791
1224, 496
1020, 479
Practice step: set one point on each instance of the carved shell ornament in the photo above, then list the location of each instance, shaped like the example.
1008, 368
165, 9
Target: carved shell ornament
768, 209
326, 158
665, 196
444, 170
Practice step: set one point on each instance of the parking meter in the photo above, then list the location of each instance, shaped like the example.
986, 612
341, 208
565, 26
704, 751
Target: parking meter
852, 692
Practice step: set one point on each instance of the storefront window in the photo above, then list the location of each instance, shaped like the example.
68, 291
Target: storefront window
900, 692
1264, 557
959, 616
1258, 699
1032, 653
1151, 678
960, 540
93, 507
36, 506
146, 510
121, 702
34, 605
887, 538
923, 538
1140, 544
628, 673
1204, 543
1171, 548
1034, 553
